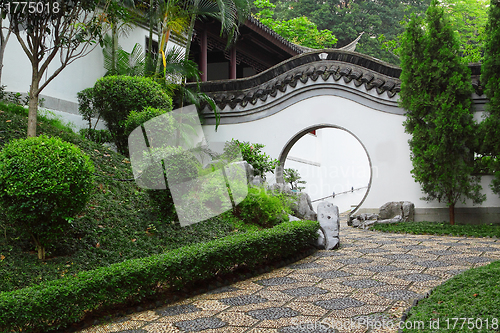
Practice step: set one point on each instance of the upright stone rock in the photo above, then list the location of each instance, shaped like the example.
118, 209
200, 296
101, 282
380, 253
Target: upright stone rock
329, 222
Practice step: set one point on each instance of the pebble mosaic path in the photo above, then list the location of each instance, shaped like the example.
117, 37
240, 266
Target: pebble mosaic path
372, 279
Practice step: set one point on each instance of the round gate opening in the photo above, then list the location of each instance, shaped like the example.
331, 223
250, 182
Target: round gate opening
334, 165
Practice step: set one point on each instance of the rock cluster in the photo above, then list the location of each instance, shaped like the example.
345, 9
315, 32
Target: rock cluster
328, 216
302, 209
391, 212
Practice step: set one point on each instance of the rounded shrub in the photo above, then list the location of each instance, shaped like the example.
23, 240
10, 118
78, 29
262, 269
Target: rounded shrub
44, 182
262, 208
116, 96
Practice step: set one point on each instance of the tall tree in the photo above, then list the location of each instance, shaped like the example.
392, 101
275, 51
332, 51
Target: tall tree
436, 93
64, 28
491, 80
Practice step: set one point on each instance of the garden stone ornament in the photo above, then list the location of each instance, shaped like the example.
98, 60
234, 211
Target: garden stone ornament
329, 223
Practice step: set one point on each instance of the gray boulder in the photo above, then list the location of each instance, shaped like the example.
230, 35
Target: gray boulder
389, 210
329, 222
303, 209
356, 223
281, 188
404, 209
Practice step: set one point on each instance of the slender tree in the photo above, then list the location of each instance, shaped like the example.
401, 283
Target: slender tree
436, 92
119, 16
63, 29
5, 33
491, 81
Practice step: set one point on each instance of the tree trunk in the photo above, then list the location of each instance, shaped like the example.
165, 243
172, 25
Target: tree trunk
452, 214
190, 35
33, 104
114, 47
162, 46
41, 252
4, 41
39, 247
149, 54
2, 49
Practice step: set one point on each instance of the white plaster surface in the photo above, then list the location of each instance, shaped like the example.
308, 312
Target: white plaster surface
381, 133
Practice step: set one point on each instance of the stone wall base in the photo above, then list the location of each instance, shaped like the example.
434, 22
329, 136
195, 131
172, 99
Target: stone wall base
463, 215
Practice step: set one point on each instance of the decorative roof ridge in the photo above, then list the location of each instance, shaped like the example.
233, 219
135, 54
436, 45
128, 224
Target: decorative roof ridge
351, 66
364, 70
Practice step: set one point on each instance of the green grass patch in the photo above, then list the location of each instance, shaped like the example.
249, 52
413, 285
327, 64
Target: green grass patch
474, 294
440, 228
118, 223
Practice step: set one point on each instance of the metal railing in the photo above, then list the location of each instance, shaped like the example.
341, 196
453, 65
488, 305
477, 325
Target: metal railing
345, 192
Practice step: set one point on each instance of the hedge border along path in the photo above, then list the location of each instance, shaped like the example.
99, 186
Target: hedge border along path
56, 304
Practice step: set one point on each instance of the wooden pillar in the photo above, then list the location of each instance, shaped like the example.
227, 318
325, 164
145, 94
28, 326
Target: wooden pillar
203, 56
232, 63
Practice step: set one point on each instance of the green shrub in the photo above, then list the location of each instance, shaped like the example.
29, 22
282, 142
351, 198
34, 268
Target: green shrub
13, 98
262, 208
137, 118
44, 182
56, 304
179, 167
116, 96
86, 105
251, 152
98, 136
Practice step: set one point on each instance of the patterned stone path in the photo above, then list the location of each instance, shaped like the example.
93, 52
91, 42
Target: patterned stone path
365, 286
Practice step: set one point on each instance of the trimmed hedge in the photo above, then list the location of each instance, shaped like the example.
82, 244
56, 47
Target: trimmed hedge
56, 304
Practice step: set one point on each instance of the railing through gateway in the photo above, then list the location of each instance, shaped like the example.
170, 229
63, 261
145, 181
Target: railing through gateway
335, 194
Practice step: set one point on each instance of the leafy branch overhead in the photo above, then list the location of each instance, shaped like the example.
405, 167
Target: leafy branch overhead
298, 30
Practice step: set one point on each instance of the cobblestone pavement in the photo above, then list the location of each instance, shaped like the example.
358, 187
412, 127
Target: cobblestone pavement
371, 280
